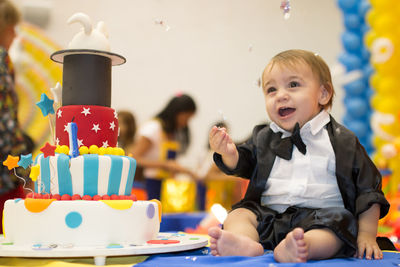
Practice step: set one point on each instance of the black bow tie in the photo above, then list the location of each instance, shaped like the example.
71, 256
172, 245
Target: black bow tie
283, 147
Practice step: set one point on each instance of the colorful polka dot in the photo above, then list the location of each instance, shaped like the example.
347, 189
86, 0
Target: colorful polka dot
73, 219
165, 242
150, 211
115, 246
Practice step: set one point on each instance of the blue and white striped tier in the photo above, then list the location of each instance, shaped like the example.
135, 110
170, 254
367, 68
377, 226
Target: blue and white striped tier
89, 174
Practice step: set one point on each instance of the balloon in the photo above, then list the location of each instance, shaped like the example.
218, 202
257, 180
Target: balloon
384, 24
363, 8
369, 92
388, 151
368, 70
355, 88
357, 107
358, 127
371, 16
370, 37
351, 41
365, 54
375, 80
350, 61
382, 50
364, 28
383, 5
387, 85
352, 21
348, 5
384, 104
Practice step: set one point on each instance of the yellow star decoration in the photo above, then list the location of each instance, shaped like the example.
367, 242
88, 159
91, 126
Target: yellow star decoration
11, 162
35, 171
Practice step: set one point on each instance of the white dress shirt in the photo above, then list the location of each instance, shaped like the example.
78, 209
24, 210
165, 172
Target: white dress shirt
306, 180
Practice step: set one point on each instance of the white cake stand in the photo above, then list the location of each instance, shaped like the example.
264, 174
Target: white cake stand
178, 242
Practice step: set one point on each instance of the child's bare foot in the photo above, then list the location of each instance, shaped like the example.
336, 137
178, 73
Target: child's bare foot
224, 243
293, 248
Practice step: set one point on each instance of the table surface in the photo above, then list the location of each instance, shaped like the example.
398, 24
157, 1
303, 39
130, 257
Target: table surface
11, 254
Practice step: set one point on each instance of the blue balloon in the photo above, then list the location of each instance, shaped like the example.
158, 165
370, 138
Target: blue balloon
364, 28
355, 88
363, 7
350, 61
368, 70
359, 128
369, 92
348, 5
352, 22
358, 107
365, 54
351, 41
367, 145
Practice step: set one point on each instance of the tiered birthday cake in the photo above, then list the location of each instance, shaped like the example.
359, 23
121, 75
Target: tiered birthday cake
83, 183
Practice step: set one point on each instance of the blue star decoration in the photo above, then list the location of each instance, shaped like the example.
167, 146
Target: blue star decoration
46, 105
25, 161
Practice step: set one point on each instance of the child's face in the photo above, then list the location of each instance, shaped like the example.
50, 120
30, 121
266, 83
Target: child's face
292, 94
182, 119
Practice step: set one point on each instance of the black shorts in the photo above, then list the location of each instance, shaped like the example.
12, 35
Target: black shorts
273, 226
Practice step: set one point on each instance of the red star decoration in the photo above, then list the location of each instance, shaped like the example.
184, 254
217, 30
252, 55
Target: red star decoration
11, 162
48, 150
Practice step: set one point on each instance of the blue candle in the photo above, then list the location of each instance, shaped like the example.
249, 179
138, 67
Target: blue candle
72, 129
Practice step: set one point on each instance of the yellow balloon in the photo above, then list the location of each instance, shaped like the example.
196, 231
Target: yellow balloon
371, 16
380, 161
370, 37
375, 80
396, 143
384, 24
382, 5
388, 85
384, 104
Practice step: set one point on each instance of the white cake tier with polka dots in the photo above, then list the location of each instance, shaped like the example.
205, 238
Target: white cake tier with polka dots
46, 222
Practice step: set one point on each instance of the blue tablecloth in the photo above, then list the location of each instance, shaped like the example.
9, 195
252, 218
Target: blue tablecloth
200, 257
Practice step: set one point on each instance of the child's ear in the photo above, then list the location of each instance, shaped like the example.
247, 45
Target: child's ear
325, 96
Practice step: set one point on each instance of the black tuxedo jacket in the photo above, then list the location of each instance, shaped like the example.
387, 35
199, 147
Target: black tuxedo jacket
358, 179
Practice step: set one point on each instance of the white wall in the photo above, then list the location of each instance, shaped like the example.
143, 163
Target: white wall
215, 50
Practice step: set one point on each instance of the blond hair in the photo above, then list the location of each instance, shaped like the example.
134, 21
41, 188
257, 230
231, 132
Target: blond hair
9, 15
319, 68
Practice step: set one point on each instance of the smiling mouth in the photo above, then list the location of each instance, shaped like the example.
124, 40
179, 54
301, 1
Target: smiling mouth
285, 111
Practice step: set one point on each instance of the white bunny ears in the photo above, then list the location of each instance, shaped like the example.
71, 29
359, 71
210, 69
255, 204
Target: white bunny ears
88, 41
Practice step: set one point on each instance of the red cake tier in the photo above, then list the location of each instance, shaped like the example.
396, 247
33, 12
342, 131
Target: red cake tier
97, 125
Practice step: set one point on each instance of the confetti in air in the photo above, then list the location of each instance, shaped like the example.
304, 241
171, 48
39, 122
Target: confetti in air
221, 113
250, 48
162, 23
285, 6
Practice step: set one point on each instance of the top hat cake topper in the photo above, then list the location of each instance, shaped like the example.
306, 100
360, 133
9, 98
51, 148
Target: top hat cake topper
88, 41
87, 65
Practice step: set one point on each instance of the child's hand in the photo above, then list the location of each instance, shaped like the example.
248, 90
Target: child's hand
221, 142
366, 243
